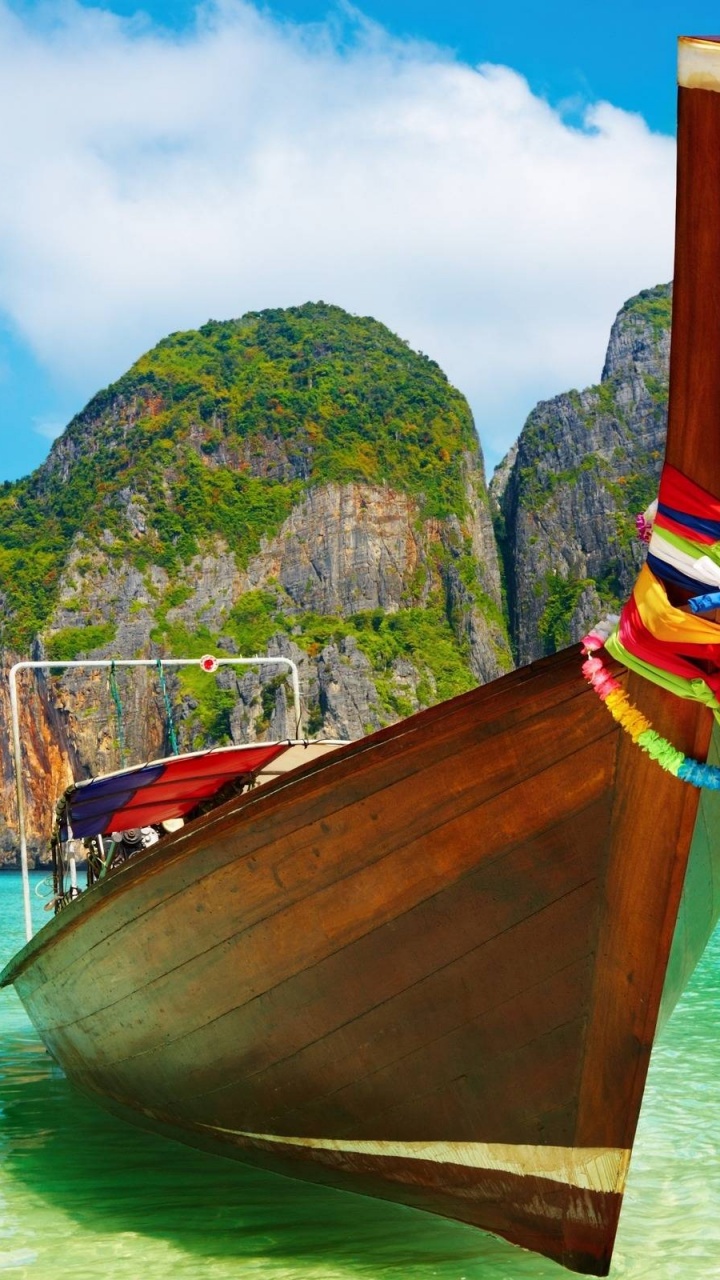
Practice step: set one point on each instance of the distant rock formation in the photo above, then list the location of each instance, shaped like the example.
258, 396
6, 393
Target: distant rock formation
585, 464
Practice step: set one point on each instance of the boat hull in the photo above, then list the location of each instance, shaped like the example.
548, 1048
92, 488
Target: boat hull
416, 969
529, 1207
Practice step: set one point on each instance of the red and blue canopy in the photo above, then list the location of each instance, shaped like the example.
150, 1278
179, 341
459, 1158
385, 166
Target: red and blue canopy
152, 793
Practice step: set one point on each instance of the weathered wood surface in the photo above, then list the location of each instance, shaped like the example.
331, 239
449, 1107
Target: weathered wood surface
395, 946
693, 444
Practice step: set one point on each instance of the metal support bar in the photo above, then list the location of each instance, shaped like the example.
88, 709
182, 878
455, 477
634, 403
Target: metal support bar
207, 663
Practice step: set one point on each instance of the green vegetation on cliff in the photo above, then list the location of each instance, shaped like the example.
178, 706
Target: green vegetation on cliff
218, 432
422, 636
652, 307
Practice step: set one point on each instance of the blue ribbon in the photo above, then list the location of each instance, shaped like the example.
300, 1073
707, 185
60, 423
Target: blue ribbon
704, 604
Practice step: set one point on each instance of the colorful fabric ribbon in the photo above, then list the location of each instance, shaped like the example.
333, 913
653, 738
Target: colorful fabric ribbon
672, 645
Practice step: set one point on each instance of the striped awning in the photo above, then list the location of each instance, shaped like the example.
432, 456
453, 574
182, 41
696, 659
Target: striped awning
158, 791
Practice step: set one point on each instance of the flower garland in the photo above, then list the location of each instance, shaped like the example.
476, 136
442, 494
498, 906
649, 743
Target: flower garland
645, 521
610, 691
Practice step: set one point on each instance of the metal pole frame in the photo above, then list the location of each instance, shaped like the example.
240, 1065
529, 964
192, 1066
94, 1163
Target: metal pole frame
100, 664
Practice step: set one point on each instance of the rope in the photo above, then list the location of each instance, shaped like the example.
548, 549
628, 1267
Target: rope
118, 714
170, 723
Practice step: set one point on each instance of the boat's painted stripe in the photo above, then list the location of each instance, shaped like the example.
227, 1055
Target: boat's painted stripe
699, 64
592, 1168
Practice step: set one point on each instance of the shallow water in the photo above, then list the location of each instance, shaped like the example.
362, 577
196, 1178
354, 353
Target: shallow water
84, 1195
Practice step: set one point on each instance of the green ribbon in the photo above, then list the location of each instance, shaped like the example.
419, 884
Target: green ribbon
693, 549
681, 686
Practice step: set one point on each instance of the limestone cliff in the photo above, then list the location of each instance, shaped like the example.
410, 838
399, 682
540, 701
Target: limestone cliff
46, 758
585, 464
300, 483
297, 483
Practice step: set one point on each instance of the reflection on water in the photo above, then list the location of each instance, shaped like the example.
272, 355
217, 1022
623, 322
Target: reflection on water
84, 1195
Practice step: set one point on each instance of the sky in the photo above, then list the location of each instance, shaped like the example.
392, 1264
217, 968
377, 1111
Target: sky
491, 181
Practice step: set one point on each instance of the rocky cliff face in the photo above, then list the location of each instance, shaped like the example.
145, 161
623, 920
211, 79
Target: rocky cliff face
45, 756
349, 561
585, 464
301, 484
348, 529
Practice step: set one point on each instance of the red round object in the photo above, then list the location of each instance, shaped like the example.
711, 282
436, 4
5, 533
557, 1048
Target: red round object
208, 662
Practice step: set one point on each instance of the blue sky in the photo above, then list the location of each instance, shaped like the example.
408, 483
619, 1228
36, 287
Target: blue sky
491, 181
622, 50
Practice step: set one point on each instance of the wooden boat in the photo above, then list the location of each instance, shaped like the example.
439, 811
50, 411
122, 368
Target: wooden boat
430, 965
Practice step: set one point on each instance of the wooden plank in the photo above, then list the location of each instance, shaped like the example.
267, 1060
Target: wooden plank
401, 959
693, 441
396, 753
375, 1049
296, 935
457, 795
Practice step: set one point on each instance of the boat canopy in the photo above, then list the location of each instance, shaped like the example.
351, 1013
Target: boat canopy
158, 791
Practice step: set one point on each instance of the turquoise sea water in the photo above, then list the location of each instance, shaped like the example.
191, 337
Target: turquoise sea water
84, 1196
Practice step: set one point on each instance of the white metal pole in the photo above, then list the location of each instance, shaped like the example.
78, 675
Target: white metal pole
99, 664
17, 758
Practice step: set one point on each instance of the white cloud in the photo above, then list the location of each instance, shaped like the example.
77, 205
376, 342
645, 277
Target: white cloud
149, 181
